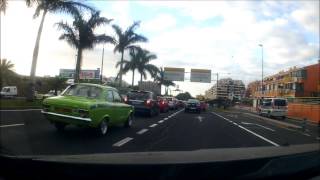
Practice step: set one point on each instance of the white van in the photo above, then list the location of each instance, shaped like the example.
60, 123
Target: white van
274, 107
9, 91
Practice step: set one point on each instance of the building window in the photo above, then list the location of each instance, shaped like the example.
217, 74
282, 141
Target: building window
299, 87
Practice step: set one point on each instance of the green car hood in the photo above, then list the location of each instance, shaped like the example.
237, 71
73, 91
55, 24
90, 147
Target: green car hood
70, 101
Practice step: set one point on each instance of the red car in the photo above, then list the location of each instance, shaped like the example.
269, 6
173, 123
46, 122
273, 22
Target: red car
203, 106
163, 104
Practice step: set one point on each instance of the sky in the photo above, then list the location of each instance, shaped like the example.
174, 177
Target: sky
222, 36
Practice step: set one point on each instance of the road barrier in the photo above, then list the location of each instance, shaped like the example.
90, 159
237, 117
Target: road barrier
303, 110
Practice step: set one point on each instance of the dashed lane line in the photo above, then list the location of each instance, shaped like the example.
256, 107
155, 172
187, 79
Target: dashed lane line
161, 121
153, 125
10, 125
122, 142
142, 131
258, 125
257, 135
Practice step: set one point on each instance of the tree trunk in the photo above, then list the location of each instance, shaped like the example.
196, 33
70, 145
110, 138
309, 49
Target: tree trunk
132, 78
120, 80
31, 89
141, 77
78, 66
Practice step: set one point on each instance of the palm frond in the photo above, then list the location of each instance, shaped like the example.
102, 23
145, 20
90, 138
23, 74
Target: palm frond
95, 20
3, 5
71, 7
136, 38
39, 8
118, 30
103, 39
131, 28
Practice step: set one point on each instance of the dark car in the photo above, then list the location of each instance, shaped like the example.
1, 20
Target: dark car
144, 102
193, 105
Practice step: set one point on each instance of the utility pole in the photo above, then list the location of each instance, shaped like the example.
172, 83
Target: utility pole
261, 45
102, 64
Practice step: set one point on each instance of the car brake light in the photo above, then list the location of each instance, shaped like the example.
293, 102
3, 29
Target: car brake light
148, 102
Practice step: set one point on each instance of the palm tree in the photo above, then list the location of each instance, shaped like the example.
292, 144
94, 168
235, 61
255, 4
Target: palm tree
81, 36
144, 65
125, 40
133, 63
52, 6
160, 79
6, 72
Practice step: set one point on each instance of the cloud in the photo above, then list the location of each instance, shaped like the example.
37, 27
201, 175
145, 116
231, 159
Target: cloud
308, 16
159, 23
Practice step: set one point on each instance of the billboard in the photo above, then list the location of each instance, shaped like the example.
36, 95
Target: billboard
200, 75
173, 74
84, 74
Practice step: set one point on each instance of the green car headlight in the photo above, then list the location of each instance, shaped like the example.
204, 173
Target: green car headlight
83, 113
93, 106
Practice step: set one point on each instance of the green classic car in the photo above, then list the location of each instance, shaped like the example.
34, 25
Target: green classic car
88, 105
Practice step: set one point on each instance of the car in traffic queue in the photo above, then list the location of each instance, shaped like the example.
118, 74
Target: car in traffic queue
203, 106
172, 102
88, 105
193, 105
273, 107
181, 104
145, 102
163, 104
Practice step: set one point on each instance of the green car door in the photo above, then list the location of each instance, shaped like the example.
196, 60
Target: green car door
121, 107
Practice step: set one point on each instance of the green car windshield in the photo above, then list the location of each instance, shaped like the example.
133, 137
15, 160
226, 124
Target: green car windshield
83, 91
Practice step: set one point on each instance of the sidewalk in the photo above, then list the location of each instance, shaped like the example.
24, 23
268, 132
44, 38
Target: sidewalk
295, 122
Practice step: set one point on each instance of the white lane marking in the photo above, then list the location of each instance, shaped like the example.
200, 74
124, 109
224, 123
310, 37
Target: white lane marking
142, 131
258, 125
3, 110
199, 118
122, 142
259, 136
306, 134
10, 125
161, 121
153, 125
166, 119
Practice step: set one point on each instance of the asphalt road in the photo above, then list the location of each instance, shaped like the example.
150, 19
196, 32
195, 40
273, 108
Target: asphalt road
27, 132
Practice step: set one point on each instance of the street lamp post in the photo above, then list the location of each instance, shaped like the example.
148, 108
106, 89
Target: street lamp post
261, 45
102, 64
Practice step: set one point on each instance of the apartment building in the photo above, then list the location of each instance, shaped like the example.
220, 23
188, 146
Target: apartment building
295, 82
227, 88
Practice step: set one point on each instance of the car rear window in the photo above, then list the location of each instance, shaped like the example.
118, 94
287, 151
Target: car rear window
138, 95
83, 91
193, 101
280, 102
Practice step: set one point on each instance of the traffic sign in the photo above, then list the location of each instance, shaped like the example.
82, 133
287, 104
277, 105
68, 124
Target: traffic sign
200, 75
173, 74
